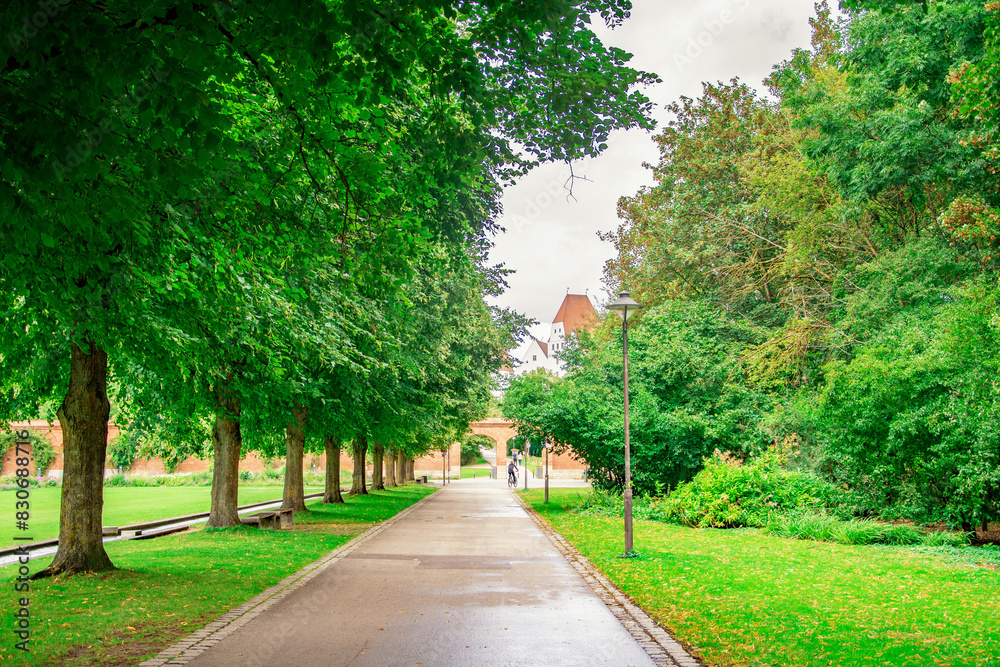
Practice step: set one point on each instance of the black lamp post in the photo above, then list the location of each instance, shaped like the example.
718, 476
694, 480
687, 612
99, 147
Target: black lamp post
524, 461
548, 446
625, 307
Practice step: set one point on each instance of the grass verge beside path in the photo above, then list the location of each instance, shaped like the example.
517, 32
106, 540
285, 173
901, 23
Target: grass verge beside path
168, 587
741, 598
123, 506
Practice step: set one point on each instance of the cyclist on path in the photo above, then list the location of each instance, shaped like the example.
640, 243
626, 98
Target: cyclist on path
512, 471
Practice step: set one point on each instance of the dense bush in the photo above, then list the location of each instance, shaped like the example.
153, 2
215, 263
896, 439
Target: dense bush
912, 422
730, 494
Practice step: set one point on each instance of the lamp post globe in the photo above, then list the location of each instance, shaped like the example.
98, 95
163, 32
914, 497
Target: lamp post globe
624, 307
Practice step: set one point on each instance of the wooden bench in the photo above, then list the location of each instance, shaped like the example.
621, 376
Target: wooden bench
270, 519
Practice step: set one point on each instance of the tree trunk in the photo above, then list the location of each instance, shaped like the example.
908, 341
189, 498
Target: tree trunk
83, 417
227, 442
295, 434
332, 492
360, 449
378, 457
400, 468
410, 477
390, 467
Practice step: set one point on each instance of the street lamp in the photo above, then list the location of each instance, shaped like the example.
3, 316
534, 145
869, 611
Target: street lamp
524, 461
624, 307
548, 446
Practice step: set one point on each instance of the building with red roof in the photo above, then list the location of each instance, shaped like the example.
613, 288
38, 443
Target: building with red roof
576, 313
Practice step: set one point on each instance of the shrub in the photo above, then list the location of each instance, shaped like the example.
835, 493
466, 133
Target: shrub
121, 479
601, 503
184, 479
807, 526
9, 482
123, 450
857, 531
826, 528
194, 479
945, 538
730, 494
118, 479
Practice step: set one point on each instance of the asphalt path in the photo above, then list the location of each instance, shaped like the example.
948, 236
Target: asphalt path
464, 578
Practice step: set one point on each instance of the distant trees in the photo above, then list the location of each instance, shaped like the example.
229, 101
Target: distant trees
473, 446
819, 270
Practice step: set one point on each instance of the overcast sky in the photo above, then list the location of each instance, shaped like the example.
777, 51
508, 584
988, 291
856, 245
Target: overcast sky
552, 243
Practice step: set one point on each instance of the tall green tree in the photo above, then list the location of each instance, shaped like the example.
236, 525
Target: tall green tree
118, 121
688, 397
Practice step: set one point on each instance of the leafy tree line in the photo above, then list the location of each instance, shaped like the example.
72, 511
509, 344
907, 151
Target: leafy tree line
271, 220
819, 267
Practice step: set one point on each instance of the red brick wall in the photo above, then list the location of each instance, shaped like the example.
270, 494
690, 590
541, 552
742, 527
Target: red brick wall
52, 433
433, 464
498, 429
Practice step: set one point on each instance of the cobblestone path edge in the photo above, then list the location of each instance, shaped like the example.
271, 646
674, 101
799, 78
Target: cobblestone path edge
664, 650
199, 641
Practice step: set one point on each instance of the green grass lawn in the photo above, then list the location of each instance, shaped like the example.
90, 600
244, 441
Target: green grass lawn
468, 472
168, 587
741, 598
122, 506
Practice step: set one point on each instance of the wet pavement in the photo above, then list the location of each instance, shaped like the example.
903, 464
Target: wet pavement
463, 578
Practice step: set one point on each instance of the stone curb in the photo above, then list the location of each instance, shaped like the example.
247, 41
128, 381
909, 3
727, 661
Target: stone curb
199, 641
663, 649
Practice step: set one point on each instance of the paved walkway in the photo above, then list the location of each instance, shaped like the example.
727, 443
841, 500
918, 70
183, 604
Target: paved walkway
465, 577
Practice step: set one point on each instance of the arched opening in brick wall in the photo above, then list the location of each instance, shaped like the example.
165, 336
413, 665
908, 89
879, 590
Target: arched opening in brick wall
501, 430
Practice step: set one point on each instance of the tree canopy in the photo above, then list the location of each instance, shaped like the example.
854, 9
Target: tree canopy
819, 267
258, 214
